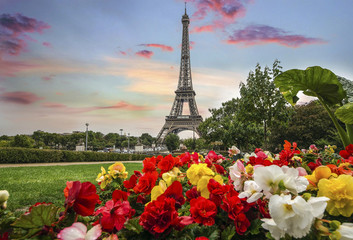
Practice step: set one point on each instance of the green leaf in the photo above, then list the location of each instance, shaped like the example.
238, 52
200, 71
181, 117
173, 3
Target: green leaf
42, 215
255, 226
314, 81
134, 225
228, 233
345, 113
214, 235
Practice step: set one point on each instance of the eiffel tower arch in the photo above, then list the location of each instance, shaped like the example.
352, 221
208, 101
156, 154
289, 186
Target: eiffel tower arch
176, 122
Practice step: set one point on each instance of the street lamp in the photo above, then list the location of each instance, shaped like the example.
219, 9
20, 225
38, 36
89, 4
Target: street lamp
128, 142
86, 135
121, 140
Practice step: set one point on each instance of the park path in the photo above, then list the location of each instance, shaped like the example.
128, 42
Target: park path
59, 164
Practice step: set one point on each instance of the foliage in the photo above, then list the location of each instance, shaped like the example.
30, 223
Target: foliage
22, 141
25, 155
172, 142
323, 84
309, 123
246, 121
261, 102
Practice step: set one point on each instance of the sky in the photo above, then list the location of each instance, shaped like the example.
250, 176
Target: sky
115, 63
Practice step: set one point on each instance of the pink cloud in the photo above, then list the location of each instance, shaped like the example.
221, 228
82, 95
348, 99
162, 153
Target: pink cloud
48, 78
120, 105
262, 34
123, 53
221, 12
144, 53
19, 97
47, 44
161, 46
54, 105
205, 28
8, 68
13, 32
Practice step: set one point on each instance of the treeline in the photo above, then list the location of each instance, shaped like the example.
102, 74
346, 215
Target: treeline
96, 140
261, 117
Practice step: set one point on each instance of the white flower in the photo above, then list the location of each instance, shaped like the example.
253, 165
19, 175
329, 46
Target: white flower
78, 231
346, 231
275, 180
295, 217
252, 191
4, 195
275, 231
238, 175
247, 156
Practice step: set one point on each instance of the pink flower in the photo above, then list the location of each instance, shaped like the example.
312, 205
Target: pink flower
78, 231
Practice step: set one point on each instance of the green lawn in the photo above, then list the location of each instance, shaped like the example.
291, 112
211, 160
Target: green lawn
28, 185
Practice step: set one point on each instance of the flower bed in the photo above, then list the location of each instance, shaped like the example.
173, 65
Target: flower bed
294, 194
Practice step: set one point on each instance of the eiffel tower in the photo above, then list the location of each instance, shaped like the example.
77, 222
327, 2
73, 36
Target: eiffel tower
176, 122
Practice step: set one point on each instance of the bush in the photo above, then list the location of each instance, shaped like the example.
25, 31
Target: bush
26, 155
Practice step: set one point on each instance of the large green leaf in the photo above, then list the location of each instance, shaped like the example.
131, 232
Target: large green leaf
41, 215
314, 81
345, 113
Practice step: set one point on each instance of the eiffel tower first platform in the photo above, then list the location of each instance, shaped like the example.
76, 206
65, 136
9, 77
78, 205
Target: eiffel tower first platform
176, 122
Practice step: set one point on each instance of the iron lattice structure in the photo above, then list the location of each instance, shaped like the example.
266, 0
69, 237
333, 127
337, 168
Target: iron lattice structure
176, 122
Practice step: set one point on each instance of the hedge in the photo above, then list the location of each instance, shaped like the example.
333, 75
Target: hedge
30, 155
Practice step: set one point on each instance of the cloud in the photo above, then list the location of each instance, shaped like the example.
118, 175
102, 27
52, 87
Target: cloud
123, 53
144, 53
47, 44
48, 78
13, 32
205, 28
19, 97
161, 46
221, 12
262, 34
122, 105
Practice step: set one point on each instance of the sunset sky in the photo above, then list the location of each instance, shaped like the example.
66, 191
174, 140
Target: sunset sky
115, 63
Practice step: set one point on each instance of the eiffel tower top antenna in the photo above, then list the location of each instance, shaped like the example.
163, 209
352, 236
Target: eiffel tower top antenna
185, 8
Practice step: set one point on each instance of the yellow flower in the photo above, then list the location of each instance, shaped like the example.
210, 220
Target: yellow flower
171, 176
4, 195
196, 171
117, 170
249, 169
103, 178
321, 172
203, 182
340, 192
158, 190
298, 159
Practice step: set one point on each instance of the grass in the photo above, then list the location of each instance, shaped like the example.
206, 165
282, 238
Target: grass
28, 185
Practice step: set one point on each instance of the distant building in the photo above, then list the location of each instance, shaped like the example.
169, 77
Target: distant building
80, 148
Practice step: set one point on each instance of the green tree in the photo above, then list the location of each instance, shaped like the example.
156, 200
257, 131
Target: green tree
146, 139
261, 102
309, 124
172, 142
23, 141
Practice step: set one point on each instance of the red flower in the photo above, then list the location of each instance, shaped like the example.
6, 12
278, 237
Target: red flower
241, 223
188, 158
347, 152
213, 157
217, 191
175, 191
146, 183
149, 164
82, 196
192, 193
114, 214
131, 183
201, 238
233, 206
4, 236
159, 216
203, 211
119, 195
167, 163
220, 169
